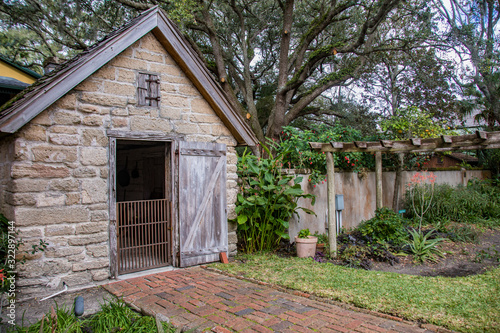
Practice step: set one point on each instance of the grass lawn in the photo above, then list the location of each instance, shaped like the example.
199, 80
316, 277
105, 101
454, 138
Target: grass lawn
468, 304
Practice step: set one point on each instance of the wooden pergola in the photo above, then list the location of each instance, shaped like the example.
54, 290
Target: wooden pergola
478, 141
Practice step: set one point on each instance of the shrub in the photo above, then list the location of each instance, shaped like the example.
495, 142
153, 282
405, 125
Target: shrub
385, 227
476, 202
424, 247
266, 203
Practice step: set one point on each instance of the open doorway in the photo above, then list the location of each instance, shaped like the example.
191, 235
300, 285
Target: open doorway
143, 205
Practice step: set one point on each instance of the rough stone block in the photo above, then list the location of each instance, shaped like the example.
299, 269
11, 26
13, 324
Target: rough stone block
97, 250
204, 118
120, 89
31, 269
42, 119
91, 84
34, 133
94, 190
64, 139
120, 112
66, 185
150, 43
232, 238
59, 230
168, 88
38, 171
66, 118
170, 112
20, 199
148, 56
90, 228
30, 233
146, 124
63, 129
56, 266
100, 274
139, 110
50, 200
54, 154
77, 279
166, 71
61, 252
21, 151
84, 172
67, 102
90, 264
200, 105
88, 239
126, 76
103, 100
29, 185
93, 120
187, 128
100, 215
93, 156
188, 90
129, 63
73, 199
94, 137
176, 101
89, 108
48, 216
219, 130
119, 122
107, 73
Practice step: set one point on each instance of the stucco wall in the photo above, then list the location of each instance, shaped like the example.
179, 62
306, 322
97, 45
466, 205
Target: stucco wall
59, 179
359, 196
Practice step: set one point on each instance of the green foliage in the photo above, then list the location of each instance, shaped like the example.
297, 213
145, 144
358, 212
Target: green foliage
412, 122
299, 155
478, 202
423, 247
304, 233
385, 227
322, 238
113, 317
463, 233
267, 201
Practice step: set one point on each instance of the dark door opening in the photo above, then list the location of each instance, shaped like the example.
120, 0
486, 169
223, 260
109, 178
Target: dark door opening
143, 205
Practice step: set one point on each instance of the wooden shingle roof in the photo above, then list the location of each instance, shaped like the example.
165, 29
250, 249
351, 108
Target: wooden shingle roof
49, 88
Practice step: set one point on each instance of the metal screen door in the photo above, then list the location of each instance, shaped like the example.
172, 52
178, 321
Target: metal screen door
144, 234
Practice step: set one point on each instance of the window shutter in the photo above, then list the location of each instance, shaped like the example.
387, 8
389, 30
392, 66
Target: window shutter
154, 90
142, 89
148, 89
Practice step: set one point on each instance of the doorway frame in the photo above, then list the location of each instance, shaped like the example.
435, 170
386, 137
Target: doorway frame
113, 136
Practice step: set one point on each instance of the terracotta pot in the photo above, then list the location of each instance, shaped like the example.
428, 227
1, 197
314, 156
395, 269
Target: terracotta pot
320, 247
306, 247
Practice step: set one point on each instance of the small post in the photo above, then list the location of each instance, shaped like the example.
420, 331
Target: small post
378, 178
332, 223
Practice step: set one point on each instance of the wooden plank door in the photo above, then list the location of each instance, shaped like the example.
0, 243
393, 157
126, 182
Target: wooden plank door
202, 202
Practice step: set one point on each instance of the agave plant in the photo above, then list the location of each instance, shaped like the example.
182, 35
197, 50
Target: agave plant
423, 248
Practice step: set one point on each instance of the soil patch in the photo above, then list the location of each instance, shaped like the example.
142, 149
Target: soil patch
461, 259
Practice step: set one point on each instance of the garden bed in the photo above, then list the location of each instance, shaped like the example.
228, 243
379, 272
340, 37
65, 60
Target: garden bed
461, 259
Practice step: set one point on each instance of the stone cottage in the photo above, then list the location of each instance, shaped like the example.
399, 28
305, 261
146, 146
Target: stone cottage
122, 160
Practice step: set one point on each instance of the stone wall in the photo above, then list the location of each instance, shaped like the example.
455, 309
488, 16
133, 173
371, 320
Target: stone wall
59, 178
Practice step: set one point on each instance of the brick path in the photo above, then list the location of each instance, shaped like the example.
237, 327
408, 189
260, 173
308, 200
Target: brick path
197, 298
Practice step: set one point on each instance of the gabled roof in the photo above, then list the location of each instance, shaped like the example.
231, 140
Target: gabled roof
48, 89
25, 70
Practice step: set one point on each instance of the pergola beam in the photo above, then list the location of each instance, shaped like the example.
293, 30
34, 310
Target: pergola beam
480, 140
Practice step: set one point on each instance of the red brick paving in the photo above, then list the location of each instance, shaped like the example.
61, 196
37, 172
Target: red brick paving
201, 299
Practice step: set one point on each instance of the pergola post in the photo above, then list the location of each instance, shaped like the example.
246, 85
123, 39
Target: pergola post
332, 223
378, 179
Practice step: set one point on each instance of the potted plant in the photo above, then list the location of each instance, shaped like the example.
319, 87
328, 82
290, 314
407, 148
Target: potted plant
306, 244
322, 241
